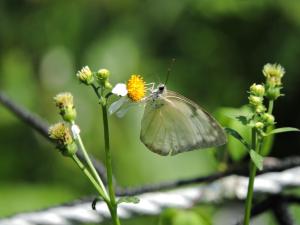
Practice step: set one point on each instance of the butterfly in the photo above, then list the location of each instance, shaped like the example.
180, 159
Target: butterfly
172, 124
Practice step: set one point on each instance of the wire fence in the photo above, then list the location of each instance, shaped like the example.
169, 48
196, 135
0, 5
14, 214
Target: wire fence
219, 187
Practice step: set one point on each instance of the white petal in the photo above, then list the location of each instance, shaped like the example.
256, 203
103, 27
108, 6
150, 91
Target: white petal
120, 89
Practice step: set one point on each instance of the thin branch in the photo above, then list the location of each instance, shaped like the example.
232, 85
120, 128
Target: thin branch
38, 124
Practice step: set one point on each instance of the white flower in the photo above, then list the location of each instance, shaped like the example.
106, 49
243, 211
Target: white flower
120, 89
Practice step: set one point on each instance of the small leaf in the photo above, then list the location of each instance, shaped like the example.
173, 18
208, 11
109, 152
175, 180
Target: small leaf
257, 159
243, 119
128, 199
282, 130
239, 137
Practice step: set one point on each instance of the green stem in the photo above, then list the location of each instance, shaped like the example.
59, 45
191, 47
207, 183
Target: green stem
252, 174
88, 174
270, 108
103, 193
111, 191
112, 205
96, 91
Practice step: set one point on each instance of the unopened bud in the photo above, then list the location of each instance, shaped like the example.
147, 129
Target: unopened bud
260, 109
268, 118
103, 74
85, 75
259, 125
257, 90
255, 100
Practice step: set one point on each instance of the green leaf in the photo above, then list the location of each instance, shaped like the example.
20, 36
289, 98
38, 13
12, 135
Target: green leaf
128, 199
282, 130
243, 119
257, 159
239, 137
227, 117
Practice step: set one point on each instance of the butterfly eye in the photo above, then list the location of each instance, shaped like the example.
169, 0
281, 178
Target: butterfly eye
161, 88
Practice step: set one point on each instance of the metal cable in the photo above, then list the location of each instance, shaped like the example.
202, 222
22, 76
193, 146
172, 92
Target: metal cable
228, 188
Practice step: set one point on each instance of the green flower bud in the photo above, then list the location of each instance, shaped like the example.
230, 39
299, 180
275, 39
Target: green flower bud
260, 109
70, 150
259, 125
85, 75
61, 134
103, 78
69, 114
257, 90
103, 74
268, 118
64, 102
255, 100
107, 85
273, 74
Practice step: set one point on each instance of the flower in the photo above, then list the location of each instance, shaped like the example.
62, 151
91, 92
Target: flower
64, 102
136, 88
63, 99
132, 93
85, 75
61, 134
273, 73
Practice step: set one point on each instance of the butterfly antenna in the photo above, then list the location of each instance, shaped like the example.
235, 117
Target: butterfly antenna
170, 69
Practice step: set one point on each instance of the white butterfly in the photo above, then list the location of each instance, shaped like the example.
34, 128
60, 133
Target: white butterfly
172, 124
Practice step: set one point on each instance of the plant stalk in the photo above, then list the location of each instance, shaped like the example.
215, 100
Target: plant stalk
108, 161
103, 193
88, 174
270, 107
252, 174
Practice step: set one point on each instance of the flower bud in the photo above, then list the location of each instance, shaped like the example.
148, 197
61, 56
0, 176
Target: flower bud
61, 134
85, 75
103, 74
259, 125
255, 100
107, 85
257, 90
260, 109
273, 74
103, 78
64, 102
268, 118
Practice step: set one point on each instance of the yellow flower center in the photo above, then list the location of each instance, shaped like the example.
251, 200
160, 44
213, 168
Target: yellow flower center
136, 88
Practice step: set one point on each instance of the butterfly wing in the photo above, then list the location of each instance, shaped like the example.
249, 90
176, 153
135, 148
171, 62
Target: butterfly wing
172, 124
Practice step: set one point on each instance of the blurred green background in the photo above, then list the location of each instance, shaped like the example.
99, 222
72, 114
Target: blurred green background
220, 48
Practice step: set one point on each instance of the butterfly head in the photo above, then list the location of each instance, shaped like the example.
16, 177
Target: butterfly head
161, 88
